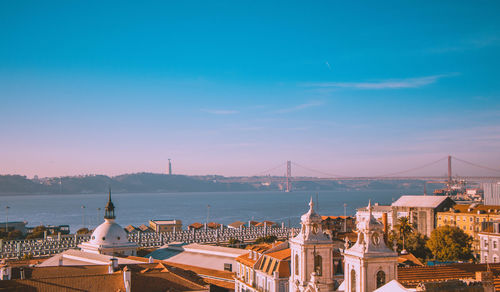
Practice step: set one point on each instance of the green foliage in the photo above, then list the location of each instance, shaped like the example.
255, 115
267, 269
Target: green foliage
83, 230
233, 241
14, 234
38, 232
405, 227
449, 243
415, 244
266, 239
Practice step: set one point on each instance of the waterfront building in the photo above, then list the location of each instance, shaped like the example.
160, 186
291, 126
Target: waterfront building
236, 225
109, 238
15, 225
469, 218
195, 226
165, 225
491, 193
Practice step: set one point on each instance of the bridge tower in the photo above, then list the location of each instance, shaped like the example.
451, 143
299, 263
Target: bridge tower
288, 176
449, 173
169, 167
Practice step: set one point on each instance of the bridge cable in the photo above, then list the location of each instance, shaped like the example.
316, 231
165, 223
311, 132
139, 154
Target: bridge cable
476, 165
412, 169
317, 171
269, 170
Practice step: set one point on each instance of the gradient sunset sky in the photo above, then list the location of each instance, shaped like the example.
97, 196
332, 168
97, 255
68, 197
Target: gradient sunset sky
237, 87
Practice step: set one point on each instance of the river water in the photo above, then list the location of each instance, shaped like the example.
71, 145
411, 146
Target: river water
225, 207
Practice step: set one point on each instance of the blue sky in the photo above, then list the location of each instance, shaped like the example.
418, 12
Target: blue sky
237, 87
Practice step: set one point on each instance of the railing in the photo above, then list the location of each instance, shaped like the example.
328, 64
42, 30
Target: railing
51, 246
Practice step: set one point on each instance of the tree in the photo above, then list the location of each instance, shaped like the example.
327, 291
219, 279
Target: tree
404, 227
83, 230
15, 234
38, 232
266, 239
448, 243
415, 244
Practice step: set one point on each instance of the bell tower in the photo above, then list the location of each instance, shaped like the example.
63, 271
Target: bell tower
369, 264
109, 211
311, 256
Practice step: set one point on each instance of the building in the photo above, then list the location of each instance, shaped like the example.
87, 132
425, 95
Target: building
491, 193
195, 226
111, 276
165, 225
335, 224
14, 225
204, 256
265, 268
237, 225
489, 243
311, 256
109, 238
469, 218
369, 264
379, 212
421, 210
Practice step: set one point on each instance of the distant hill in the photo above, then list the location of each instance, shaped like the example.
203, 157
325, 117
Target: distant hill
161, 183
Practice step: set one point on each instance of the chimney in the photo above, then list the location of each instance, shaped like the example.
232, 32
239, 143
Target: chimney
23, 275
5, 272
127, 279
113, 265
384, 221
151, 260
60, 264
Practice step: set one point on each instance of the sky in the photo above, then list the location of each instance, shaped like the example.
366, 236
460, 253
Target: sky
351, 88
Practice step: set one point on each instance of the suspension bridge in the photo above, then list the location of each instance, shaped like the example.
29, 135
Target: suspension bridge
287, 179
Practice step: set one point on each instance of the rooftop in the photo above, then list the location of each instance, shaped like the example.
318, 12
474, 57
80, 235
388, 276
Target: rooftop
420, 201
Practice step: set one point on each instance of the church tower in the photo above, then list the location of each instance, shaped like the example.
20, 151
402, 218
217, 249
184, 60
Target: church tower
311, 256
369, 264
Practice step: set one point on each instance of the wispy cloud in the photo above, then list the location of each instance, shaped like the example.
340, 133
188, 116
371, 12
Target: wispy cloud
220, 112
384, 84
465, 45
300, 107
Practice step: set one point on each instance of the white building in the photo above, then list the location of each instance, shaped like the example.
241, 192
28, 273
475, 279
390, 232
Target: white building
311, 256
109, 238
369, 264
489, 243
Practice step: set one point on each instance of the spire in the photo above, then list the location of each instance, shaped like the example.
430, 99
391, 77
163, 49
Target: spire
311, 205
109, 212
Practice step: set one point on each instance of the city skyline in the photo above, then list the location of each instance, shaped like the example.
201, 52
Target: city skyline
235, 88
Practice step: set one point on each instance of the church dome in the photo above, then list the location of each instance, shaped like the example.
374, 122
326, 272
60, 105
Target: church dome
109, 233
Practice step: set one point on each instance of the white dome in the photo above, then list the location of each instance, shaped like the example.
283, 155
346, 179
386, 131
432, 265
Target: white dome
109, 233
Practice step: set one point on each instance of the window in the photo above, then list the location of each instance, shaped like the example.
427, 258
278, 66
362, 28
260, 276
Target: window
228, 267
296, 264
353, 280
471, 219
318, 265
380, 279
494, 244
495, 259
486, 243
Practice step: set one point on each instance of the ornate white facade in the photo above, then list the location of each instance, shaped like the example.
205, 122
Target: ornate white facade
109, 238
369, 264
311, 256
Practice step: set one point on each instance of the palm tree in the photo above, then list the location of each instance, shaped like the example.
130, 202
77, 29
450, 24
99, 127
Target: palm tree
404, 228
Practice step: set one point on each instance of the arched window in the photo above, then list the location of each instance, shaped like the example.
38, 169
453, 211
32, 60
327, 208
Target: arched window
296, 264
318, 267
353, 280
380, 279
